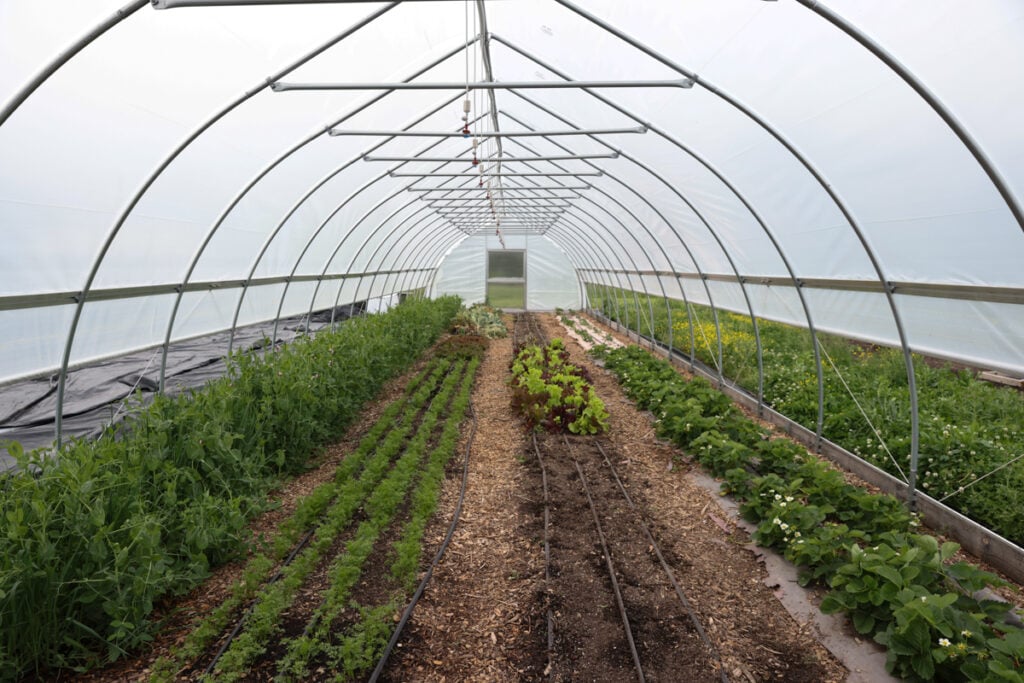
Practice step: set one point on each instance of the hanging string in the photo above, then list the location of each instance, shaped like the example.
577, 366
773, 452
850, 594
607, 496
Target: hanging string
962, 488
478, 102
863, 412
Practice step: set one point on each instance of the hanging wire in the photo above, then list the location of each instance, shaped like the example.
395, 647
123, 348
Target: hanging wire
466, 102
707, 342
862, 411
466, 18
476, 58
964, 487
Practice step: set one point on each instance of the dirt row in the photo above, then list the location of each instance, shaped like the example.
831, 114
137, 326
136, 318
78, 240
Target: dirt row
605, 629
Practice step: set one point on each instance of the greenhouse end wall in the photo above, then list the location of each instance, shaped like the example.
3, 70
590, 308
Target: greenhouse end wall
550, 277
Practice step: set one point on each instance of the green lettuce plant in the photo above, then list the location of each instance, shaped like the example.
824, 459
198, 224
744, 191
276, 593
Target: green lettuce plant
555, 394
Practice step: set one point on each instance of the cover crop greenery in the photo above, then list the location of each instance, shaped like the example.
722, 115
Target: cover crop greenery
968, 427
91, 539
554, 393
895, 584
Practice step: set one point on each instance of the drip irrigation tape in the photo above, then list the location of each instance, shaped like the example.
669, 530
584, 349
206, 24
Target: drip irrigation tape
664, 565
610, 567
547, 554
241, 622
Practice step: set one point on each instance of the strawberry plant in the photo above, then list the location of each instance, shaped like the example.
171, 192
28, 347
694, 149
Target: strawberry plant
897, 586
968, 428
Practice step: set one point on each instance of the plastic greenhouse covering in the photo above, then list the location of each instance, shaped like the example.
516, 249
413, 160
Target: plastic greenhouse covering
179, 169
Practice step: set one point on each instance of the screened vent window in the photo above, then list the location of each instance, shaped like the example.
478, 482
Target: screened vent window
506, 264
506, 279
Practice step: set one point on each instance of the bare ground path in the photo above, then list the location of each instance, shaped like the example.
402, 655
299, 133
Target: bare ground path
478, 619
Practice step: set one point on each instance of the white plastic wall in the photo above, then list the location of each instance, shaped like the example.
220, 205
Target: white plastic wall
550, 279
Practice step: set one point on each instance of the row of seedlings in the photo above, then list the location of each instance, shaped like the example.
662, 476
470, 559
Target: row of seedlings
319, 554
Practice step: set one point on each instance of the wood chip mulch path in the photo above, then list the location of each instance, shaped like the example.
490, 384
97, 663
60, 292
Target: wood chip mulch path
477, 620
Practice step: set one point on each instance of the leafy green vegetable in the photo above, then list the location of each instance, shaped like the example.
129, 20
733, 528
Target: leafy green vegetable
555, 394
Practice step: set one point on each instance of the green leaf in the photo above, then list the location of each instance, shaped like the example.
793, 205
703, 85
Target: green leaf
910, 572
918, 635
1012, 644
948, 549
928, 544
887, 572
924, 666
898, 645
864, 623
831, 604
1004, 672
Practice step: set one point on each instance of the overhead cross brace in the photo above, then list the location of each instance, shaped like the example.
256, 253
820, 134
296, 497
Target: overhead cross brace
482, 223
341, 132
504, 215
503, 160
172, 4
489, 222
581, 174
285, 86
476, 200
504, 188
